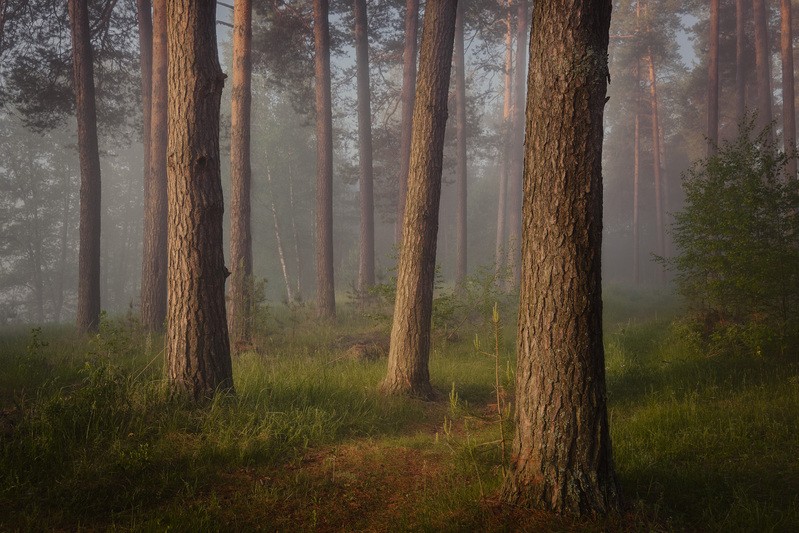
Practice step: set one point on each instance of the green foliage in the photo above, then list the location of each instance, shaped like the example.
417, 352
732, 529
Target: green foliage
737, 240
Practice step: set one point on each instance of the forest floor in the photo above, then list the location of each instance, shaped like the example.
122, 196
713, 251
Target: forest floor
702, 441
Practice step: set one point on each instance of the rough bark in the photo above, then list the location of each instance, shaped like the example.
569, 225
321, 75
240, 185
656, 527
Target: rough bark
500, 249
408, 97
325, 291
514, 202
656, 164
740, 52
198, 349
561, 452
241, 283
366, 263
713, 81
408, 356
762, 64
460, 134
88, 312
154, 247
788, 102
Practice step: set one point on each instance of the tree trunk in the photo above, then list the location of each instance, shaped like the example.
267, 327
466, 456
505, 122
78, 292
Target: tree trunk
653, 103
295, 235
500, 250
408, 97
740, 52
713, 81
325, 292
460, 122
154, 246
562, 451
366, 265
762, 65
278, 239
410, 334
517, 148
241, 282
88, 312
637, 163
788, 103
64, 248
143, 8
198, 349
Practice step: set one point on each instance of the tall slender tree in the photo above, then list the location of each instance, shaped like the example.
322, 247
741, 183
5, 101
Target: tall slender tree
656, 163
409, 351
241, 286
198, 348
500, 248
562, 451
325, 292
408, 97
154, 246
460, 124
88, 313
788, 101
713, 81
366, 263
740, 54
637, 155
145, 20
762, 63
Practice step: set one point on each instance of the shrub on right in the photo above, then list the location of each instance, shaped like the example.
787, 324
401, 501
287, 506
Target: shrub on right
737, 241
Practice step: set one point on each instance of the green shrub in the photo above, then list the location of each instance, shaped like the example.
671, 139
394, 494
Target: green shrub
737, 241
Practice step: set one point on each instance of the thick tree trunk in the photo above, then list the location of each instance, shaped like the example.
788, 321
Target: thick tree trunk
788, 102
740, 53
656, 165
198, 349
517, 148
241, 282
501, 248
366, 264
562, 453
713, 81
88, 312
460, 166
762, 64
408, 356
408, 97
325, 291
154, 247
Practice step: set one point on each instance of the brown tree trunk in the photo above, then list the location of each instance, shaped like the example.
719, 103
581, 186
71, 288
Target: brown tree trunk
740, 52
657, 168
88, 312
517, 148
366, 264
408, 97
241, 283
500, 250
198, 349
460, 122
408, 371
154, 247
713, 81
143, 8
762, 65
561, 453
788, 105
325, 291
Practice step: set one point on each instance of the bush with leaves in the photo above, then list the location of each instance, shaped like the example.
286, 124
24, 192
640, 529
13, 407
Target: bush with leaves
737, 241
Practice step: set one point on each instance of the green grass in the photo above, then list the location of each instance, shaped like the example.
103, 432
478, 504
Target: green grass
90, 439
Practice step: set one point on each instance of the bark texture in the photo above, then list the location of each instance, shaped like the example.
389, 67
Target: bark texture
713, 81
408, 97
154, 247
500, 249
561, 452
514, 202
241, 284
788, 101
409, 352
460, 134
198, 349
325, 291
88, 311
762, 64
366, 263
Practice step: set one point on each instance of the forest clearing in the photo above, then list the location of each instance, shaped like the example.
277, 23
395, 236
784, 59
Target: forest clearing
701, 441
